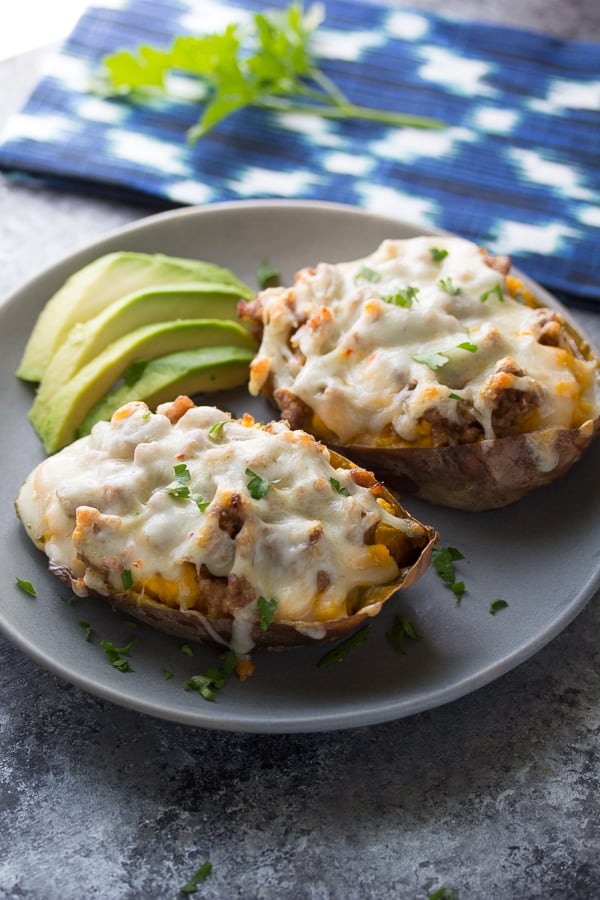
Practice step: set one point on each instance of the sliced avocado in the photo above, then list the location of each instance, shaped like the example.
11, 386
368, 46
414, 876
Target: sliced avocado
89, 290
165, 377
88, 339
67, 409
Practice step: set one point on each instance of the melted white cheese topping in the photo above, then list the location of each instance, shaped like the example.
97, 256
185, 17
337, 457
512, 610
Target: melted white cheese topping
108, 504
375, 343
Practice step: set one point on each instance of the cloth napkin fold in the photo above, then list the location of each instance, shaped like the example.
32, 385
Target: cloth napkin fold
517, 167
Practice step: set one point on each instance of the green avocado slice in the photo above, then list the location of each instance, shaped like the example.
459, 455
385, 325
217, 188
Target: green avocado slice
93, 287
86, 340
162, 379
67, 409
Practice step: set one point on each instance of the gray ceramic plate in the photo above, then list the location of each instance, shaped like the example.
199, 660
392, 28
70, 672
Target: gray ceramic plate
541, 555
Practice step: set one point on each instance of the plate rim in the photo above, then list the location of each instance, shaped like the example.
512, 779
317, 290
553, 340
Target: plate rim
311, 722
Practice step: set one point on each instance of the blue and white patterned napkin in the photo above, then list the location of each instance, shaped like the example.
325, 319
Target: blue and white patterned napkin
517, 168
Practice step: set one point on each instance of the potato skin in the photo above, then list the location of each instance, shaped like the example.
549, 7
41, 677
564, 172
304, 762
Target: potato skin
482, 476
193, 625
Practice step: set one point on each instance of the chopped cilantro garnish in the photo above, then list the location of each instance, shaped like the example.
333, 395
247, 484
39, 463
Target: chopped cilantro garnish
468, 345
209, 682
267, 275
447, 285
187, 650
453, 396
402, 628
182, 473
167, 674
127, 579
181, 491
215, 432
401, 297
497, 290
116, 654
87, 628
201, 503
443, 893
497, 605
438, 255
367, 274
335, 484
266, 610
339, 653
257, 486
433, 359
443, 559
26, 587
197, 878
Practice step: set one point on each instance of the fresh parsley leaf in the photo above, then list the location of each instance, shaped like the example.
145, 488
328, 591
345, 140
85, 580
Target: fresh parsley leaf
267, 63
200, 502
115, 654
438, 255
402, 628
497, 605
266, 610
450, 288
208, 683
497, 290
167, 674
402, 297
432, 359
127, 579
87, 628
267, 275
365, 273
339, 653
187, 650
257, 486
26, 587
442, 560
197, 878
335, 484
468, 345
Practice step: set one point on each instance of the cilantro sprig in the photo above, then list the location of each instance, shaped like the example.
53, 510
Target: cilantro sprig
267, 62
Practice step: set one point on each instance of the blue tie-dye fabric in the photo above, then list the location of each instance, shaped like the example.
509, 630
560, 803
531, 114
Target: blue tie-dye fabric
517, 168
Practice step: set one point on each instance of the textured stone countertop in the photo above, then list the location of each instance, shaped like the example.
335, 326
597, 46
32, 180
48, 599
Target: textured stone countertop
495, 794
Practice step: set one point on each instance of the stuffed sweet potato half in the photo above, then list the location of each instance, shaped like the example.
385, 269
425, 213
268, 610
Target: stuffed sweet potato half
432, 365
221, 529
